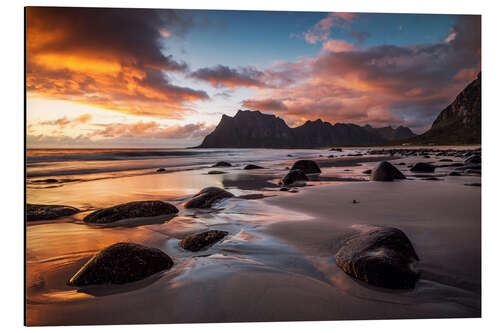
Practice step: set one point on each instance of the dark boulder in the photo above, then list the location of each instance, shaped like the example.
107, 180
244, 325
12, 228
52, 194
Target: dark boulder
161, 170
121, 263
454, 173
422, 167
202, 240
48, 212
294, 176
252, 167
367, 172
386, 172
221, 164
306, 166
207, 197
381, 256
130, 210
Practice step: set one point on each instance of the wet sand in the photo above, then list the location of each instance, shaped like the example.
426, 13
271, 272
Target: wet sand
278, 261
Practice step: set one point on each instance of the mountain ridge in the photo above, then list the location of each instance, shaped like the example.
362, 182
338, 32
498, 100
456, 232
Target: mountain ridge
254, 129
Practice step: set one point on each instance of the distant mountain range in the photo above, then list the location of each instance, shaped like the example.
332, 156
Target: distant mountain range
253, 129
459, 122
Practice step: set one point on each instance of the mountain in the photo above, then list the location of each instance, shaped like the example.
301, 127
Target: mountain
253, 129
459, 122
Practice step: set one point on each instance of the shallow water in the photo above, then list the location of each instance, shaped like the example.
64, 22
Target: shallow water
277, 263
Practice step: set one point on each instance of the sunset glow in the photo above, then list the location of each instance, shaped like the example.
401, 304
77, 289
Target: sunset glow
126, 78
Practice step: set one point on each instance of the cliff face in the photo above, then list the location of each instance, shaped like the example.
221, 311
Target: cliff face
459, 122
253, 129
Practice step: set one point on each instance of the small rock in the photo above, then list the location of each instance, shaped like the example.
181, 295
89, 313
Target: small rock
454, 173
133, 209
422, 167
385, 171
252, 167
202, 240
355, 201
121, 263
306, 166
161, 170
284, 189
48, 212
367, 172
381, 256
221, 164
207, 197
294, 176
473, 184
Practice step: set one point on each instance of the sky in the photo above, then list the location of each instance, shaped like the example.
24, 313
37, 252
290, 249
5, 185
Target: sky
109, 77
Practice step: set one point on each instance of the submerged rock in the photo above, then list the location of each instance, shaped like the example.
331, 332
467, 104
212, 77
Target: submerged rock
202, 240
48, 212
121, 263
294, 176
252, 167
221, 164
381, 256
207, 197
386, 172
216, 172
130, 210
422, 167
306, 166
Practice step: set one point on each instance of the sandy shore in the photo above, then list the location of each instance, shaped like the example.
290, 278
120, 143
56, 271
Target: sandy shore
278, 262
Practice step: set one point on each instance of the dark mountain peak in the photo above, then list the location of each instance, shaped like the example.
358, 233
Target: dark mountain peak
459, 122
254, 129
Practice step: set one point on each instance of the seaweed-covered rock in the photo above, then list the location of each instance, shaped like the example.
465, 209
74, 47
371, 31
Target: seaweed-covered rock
381, 256
121, 263
221, 164
306, 166
422, 167
252, 167
130, 210
207, 197
48, 212
202, 240
386, 172
294, 176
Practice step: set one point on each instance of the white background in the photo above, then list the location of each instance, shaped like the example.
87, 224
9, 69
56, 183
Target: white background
12, 143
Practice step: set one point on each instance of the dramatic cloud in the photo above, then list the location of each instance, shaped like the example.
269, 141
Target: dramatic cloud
385, 84
110, 58
321, 30
268, 104
223, 76
63, 122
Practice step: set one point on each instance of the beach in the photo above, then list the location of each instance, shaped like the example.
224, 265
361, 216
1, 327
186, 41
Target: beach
277, 262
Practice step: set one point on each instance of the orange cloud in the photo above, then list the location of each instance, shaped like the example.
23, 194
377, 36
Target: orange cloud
104, 57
